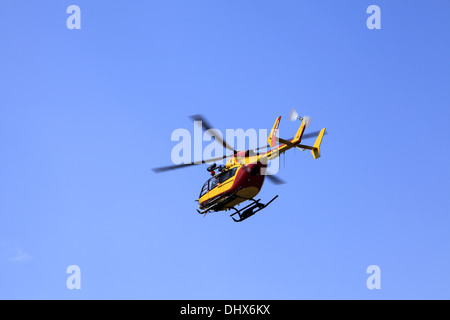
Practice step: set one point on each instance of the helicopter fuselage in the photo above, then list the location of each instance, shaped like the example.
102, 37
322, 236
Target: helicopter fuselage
232, 187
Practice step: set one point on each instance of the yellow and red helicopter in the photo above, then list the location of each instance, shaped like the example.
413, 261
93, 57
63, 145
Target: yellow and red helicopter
242, 177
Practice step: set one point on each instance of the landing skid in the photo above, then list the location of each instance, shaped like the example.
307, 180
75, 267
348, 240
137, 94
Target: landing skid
248, 211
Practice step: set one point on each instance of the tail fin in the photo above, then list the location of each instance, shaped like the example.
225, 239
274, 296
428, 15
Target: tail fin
273, 134
299, 134
316, 148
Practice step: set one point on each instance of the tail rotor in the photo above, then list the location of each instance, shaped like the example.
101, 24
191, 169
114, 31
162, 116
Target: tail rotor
293, 116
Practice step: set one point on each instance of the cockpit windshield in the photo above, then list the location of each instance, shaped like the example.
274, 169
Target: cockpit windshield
204, 189
216, 180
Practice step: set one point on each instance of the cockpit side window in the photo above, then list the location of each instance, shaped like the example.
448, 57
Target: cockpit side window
214, 181
227, 175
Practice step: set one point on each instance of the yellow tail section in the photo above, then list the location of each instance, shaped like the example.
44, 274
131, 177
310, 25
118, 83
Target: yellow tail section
299, 134
286, 145
316, 148
273, 134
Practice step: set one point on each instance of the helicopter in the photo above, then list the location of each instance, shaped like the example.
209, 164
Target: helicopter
242, 177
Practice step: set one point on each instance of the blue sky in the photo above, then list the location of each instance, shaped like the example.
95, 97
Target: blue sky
86, 114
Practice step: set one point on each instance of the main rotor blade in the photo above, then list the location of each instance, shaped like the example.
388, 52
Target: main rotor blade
173, 167
183, 165
207, 126
275, 180
313, 134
